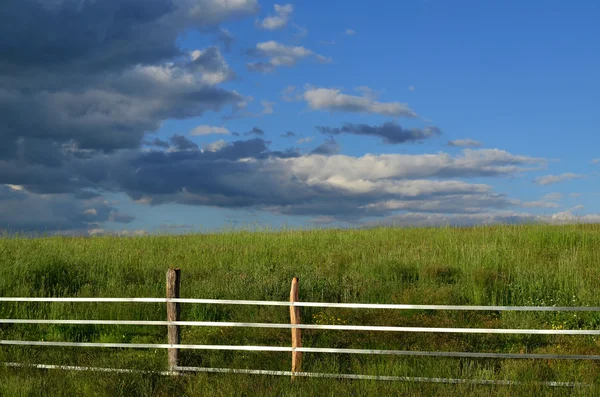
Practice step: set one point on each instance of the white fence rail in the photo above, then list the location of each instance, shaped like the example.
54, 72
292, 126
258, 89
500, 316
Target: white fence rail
175, 369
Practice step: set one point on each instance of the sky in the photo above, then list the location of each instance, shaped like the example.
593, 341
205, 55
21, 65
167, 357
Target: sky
177, 116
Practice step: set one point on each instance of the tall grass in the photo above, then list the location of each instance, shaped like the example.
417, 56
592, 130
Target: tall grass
491, 265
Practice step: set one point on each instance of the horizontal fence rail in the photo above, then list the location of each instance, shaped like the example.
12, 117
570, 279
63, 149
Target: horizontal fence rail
174, 323
305, 350
311, 304
183, 370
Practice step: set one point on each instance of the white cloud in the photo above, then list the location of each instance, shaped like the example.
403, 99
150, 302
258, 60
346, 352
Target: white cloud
274, 22
574, 194
280, 55
17, 188
208, 130
465, 143
305, 140
333, 100
552, 196
595, 161
91, 211
350, 32
370, 167
552, 179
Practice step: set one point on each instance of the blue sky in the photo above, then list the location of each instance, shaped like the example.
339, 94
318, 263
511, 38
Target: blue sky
436, 112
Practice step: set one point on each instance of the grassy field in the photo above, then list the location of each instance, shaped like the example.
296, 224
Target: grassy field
499, 265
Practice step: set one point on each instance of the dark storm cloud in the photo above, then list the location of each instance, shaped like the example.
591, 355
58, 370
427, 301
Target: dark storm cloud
102, 35
82, 82
390, 132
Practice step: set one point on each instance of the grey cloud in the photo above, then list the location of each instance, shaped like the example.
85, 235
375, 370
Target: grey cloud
256, 131
484, 218
288, 134
115, 115
328, 148
182, 143
247, 174
261, 67
465, 143
226, 38
158, 142
53, 212
552, 179
96, 35
390, 132
212, 65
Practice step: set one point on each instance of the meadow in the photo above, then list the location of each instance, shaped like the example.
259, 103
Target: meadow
532, 265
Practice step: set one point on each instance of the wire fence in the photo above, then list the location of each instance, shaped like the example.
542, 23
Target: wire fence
174, 346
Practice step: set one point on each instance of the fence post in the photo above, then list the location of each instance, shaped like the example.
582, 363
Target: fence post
295, 319
173, 311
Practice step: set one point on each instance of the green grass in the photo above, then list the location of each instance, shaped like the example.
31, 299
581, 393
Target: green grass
499, 265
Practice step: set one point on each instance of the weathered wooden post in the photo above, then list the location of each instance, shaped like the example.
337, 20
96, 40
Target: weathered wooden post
296, 336
173, 311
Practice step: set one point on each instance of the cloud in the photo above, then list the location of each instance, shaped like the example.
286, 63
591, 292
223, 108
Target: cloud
208, 129
288, 134
280, 55
211, 64
110, 35
247, 174
465, 143
215, 146
539, 204
226, 38
553, 196
274, 22
158, 142
267, 107
289, 94
485, 218
552, 179
21, 210
595, 161
390, 132
350, 32
255, 131
301, 32
329, 148
305, 140
114, 114
182, 143
333, 100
